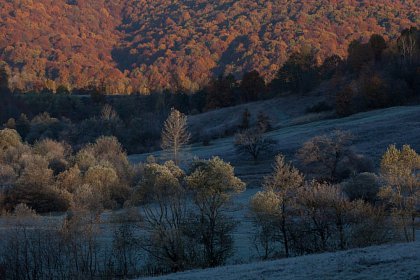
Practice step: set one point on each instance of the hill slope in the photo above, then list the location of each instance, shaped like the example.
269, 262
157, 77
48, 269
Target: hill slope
69, 42
151, 45
373, 132
398, 261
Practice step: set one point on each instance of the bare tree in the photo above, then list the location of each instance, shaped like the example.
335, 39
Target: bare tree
407, 45
253, 142
400, 170
212, 183
166, 216
265, 217
108, 113
324, 210
175, 134
281, 186
284, 182
125, 243
324, 153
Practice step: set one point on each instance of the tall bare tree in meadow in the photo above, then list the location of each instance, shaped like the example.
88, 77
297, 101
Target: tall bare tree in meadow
175, 134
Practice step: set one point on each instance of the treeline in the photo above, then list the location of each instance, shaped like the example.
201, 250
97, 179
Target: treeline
382, 74
135, 120
82, 116
376, 74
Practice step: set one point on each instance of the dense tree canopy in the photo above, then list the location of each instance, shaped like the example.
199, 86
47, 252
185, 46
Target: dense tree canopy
143, 46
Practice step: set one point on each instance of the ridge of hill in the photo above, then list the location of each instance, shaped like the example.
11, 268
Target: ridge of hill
394, 261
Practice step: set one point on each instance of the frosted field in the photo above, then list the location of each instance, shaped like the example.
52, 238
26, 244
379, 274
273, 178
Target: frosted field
396, 261
373, 132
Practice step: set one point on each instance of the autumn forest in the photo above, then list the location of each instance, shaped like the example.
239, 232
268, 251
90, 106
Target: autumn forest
145, 46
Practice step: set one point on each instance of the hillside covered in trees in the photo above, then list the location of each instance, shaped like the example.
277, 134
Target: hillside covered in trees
145, 46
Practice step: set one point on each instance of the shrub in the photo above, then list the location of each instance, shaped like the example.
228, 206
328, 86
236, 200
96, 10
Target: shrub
22, 210
42, 200
9, 138
253, 142
56, 153
370, 225
319, 107
105, 182
363, 186
353, 164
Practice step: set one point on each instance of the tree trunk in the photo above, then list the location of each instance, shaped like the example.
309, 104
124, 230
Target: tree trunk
284, 232
413, 227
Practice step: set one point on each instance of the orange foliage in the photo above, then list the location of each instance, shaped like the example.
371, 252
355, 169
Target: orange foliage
150, 45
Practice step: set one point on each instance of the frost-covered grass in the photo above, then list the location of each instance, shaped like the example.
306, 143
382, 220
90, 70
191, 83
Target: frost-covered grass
373, 132
282, 111
394, 261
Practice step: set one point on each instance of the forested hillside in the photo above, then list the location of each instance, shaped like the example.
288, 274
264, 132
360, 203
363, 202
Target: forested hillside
50, 43
144, 46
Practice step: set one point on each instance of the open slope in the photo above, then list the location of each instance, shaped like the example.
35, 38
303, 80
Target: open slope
373, 132
396, 261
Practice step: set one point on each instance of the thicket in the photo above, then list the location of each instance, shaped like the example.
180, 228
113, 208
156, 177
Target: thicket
294, 216
48, 176
181, 223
